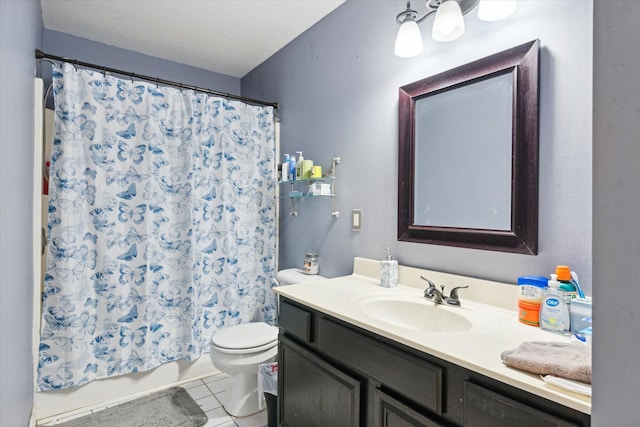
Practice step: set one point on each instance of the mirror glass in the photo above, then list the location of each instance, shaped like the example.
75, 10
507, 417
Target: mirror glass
468, 155
454, 168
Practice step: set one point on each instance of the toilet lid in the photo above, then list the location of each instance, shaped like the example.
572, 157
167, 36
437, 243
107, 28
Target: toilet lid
245, 335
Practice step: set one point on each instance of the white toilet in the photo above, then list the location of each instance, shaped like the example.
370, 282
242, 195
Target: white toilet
238, 350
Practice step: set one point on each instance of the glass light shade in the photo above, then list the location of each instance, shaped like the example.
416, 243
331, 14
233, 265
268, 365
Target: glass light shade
449, 23
409, 39
494, 10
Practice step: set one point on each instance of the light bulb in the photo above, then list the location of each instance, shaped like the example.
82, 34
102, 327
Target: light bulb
409, 39
448, 24
494, 10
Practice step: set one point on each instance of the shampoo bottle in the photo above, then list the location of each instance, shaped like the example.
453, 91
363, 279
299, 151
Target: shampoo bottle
299, 165
285, 168
554, 311
389, 271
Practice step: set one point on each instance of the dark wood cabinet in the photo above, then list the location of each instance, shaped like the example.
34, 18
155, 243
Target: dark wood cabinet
390, 412
484, 407
313, 393
332, 373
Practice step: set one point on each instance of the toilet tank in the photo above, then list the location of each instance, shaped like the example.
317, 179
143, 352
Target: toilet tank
294, 276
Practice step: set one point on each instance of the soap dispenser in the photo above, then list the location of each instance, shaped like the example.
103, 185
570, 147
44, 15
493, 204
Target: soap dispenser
554, 311
389, 271
299, 165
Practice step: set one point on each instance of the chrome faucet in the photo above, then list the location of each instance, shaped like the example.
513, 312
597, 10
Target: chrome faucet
432, 292
438, 297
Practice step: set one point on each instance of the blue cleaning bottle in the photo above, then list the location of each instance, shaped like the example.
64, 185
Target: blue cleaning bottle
292, 168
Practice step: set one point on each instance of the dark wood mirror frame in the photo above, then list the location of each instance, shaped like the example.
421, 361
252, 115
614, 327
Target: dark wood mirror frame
522, 237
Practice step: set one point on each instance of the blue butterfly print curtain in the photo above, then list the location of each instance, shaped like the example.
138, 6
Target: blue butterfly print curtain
161, 225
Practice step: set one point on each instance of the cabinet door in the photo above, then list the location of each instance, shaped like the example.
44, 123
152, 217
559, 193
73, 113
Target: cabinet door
312, 393
392, 413
485, 408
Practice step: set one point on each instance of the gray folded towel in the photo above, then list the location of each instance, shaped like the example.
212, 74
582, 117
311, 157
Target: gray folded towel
566, 360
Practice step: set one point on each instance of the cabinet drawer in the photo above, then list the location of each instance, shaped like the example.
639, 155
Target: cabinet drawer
483, 407
407, 375
295, 320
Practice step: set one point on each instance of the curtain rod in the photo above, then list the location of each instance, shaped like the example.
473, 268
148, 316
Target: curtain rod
41, 55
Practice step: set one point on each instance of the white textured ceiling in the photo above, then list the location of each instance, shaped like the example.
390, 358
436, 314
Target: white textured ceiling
229, 37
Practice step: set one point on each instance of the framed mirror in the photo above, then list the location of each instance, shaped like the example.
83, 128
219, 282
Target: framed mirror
468, 155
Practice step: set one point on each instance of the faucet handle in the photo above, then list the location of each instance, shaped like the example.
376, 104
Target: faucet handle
431, 285
453, 299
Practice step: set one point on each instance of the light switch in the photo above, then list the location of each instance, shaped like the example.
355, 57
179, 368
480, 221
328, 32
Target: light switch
356, 219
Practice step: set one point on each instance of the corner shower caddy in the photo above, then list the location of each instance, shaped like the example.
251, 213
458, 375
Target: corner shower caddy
299, 189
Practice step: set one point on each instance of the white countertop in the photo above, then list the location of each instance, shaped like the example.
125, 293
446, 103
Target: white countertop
494, 328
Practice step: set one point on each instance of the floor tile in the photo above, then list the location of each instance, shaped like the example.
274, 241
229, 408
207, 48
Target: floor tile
255, 420
208, 392
218, 417
208, 403
218, 385
199, 392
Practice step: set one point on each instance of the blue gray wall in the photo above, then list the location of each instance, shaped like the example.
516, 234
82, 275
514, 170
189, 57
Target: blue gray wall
616, 209
60, 44
337, 85
20, 34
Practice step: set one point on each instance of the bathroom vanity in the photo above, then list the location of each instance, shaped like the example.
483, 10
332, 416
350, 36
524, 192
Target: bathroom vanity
352, 353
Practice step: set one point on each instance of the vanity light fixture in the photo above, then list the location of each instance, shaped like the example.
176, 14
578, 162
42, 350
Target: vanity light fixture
448, 23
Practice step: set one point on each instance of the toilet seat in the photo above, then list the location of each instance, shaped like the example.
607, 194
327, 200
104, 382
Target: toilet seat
245, 338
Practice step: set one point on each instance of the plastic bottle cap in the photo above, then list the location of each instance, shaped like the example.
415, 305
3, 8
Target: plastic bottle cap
563, 272
539, 281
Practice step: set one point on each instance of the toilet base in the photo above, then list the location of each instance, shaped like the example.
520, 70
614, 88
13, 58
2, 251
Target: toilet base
241, 397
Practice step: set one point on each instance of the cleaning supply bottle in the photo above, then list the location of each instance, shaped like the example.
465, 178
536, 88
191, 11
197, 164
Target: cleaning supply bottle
299, 165
554, 311
284, 174
389, 271
566, 285
292, 168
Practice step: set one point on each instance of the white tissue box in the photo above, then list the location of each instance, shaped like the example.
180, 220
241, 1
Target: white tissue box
320, 189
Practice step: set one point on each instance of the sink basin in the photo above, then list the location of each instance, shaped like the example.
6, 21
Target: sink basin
415, 314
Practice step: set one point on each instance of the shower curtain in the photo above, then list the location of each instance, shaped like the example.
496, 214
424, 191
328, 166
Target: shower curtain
161, 225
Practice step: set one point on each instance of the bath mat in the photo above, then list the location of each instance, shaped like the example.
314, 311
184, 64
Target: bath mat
168, 408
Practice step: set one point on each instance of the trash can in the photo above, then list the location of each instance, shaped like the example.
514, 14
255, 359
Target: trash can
268, 388
272, 409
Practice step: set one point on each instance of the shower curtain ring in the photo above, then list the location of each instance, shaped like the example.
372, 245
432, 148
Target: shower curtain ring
51, 61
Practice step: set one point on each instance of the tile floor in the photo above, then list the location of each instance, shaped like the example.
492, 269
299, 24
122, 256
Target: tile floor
208, 393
